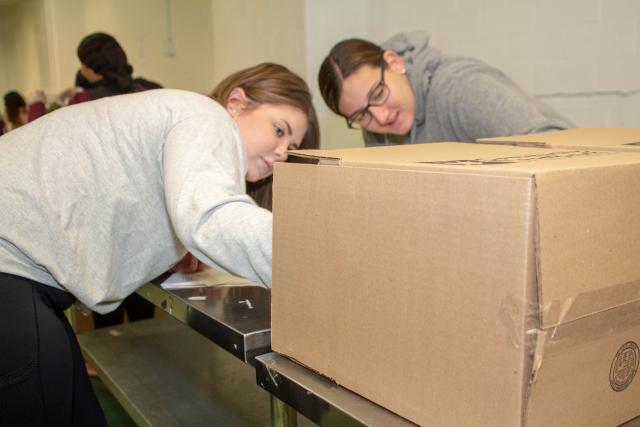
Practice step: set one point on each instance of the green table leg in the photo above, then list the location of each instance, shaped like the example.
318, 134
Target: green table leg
282, 415
71, 317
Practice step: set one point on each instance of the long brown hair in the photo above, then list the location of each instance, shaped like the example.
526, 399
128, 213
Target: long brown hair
344, 59
269, 83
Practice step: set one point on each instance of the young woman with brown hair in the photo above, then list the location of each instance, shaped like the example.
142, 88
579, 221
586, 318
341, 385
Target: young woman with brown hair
407, 91
103, 196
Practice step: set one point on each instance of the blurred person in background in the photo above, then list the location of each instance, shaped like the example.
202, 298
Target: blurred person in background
15, 111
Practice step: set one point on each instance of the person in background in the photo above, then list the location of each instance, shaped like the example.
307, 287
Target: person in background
407, 91
105, 70
15, 111
103, 196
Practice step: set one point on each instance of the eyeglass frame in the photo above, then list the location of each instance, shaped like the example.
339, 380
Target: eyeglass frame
351, 119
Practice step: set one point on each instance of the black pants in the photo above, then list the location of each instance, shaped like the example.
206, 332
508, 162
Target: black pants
137, 308
43, 380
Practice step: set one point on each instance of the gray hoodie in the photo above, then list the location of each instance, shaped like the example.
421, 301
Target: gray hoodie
462, 99
98, 198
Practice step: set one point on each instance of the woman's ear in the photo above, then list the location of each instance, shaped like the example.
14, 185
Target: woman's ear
394, 61
237, 101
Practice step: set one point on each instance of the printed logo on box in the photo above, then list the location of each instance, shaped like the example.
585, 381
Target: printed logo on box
624, 366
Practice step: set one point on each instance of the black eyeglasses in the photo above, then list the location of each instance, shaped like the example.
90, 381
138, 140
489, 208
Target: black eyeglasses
377, 96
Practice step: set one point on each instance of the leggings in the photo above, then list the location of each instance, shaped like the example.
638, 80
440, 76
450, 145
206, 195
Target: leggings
43, 381
137, 308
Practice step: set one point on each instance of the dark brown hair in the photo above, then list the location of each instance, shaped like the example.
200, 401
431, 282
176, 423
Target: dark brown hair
269, 83
345, 58
103, 54
13, 103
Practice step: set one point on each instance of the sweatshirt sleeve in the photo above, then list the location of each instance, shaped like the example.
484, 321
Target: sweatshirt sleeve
204, 170
486, 103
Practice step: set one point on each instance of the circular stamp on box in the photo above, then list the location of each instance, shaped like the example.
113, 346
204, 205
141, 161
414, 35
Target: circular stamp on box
624, 366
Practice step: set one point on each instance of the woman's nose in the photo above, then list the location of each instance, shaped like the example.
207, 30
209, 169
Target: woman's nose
380, 114
281, 151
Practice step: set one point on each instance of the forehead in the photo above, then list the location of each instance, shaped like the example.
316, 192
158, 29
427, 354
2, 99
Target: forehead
356, 87
296, 118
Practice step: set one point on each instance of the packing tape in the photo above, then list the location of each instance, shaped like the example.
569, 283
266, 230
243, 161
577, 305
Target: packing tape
585, 304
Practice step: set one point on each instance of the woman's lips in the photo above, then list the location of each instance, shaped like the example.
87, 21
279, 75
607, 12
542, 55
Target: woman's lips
268, 165
391, 123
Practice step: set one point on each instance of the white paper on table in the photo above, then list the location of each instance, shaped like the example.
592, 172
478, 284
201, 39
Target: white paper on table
206, 277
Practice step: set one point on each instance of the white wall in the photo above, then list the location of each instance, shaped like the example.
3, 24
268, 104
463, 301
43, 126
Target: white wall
247, 32
23, 57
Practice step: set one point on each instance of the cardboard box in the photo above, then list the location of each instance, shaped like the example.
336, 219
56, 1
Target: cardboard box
617, 139
464, 284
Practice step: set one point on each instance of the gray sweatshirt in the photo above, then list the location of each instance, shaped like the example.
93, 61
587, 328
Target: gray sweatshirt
99, 198
462, 99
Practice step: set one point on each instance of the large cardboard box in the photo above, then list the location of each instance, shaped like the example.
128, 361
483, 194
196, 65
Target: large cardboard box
617, 139
464, 284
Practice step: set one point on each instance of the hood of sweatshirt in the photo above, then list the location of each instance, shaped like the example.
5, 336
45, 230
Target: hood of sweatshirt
421, 61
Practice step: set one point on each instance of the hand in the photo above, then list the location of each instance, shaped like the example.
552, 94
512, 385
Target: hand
188, 264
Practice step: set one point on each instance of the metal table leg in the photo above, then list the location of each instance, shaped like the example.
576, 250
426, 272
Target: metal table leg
282, 415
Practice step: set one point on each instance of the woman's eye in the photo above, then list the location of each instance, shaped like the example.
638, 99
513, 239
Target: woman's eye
362, 117
279, 132
377, 94
293, 147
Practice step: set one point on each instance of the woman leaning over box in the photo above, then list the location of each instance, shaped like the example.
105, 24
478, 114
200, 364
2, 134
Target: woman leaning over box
93, 212
406, 91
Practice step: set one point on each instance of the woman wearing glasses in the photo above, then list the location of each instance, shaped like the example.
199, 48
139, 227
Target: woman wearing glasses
409, 92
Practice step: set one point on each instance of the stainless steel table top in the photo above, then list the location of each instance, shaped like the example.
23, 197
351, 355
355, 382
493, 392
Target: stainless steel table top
319, 399
236, 318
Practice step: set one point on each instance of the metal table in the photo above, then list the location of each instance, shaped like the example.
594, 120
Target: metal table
164, 374
236, 318
319, 399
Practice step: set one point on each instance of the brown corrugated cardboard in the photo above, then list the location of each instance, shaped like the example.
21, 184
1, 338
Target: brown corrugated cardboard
622, 139
464, 284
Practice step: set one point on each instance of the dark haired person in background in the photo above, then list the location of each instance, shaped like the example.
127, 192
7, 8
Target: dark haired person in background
105, 70
15, 111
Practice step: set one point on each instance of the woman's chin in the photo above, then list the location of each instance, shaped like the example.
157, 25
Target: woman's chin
402, 126
255, 177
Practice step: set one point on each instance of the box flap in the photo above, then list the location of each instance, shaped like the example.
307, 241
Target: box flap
457, 157
588, 239
626, 139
